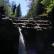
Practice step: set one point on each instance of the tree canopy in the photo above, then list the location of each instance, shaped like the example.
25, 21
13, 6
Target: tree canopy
45, 5
49, 4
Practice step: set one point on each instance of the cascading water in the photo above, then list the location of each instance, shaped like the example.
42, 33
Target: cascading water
22, 49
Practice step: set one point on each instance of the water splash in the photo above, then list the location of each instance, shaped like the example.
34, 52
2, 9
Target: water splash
21, 37
22, 48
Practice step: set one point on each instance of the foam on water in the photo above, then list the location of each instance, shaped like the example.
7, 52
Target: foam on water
22, 48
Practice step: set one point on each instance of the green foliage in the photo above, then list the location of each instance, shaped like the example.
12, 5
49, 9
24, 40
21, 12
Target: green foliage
34, 10
1, 2
47, 5
8, 10
7, 7
31, 12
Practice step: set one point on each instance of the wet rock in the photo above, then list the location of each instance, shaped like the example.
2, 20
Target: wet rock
39, 41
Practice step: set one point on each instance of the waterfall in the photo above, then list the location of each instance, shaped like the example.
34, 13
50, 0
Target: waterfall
22, 49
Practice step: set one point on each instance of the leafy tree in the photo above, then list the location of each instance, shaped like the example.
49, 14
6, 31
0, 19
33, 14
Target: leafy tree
31, 11
41, 7
49, 4
36, 9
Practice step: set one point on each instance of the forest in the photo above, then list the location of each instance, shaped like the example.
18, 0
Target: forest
40, 7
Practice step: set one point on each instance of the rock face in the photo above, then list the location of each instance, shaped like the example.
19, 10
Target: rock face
9, 37
41, 42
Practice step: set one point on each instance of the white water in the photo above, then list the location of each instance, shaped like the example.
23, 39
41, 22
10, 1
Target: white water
21, 43
21, 36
